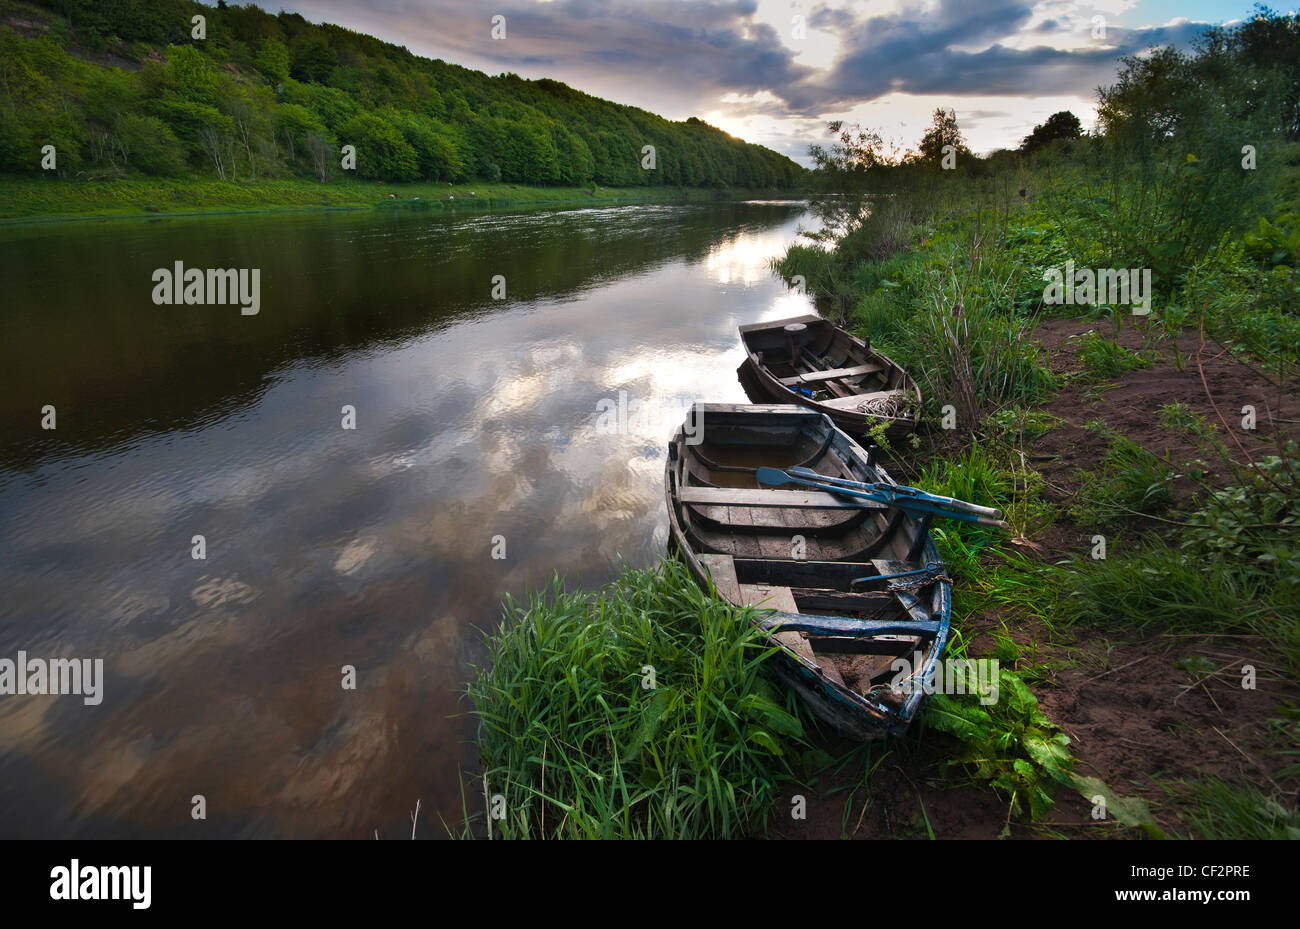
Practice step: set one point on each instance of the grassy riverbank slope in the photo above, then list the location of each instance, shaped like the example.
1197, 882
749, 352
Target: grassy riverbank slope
25, 199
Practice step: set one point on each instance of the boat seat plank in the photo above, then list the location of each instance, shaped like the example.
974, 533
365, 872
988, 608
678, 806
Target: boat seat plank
789, 499
768, 598
844, 626
782, 600
722, 571
877, 603
833, 374
851, 403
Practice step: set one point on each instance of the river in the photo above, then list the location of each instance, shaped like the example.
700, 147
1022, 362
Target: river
478, 464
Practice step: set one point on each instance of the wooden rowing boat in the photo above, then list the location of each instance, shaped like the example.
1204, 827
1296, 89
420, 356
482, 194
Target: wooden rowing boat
807, 360
822, 570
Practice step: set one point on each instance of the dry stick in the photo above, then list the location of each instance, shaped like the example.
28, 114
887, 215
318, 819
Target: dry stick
1202, 681
1120, 668
1257, 765
1212, 700
866, 806
1209, 635
487, 805
414, 817
1232, 435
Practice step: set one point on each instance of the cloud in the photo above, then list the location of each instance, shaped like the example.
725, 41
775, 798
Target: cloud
929, 54
691, 57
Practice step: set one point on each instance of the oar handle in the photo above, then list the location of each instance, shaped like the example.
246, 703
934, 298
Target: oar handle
901, 490
908, 499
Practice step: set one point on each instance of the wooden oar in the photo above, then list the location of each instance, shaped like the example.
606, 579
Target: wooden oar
908, 499
912, 492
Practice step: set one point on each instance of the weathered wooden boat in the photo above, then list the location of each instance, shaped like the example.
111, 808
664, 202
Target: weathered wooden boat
807, 360
844, 587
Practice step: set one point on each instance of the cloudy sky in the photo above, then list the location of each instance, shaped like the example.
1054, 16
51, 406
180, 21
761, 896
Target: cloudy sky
776, 71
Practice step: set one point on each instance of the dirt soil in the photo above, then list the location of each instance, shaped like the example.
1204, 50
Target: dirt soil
1135, 718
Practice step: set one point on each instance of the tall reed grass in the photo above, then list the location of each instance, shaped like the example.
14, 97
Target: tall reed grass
639, 711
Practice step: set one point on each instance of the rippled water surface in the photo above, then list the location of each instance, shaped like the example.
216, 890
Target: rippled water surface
326, 547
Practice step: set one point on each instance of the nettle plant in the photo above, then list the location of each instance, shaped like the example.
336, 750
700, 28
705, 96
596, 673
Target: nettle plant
1257, 520
1010, 744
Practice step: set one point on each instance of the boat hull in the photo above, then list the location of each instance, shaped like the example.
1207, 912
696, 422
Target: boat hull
735, 550
763, 382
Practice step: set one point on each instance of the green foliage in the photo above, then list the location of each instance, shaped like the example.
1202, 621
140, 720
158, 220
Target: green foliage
1179, 416
1128, 811
1175, 190
943, 133
1162, 587
1009, 744
1220, 810
1060, 127
1022, 427
965, 342
1275, 243
1106, 358
224, 101
972, 476
1130, 481
148, 144
1255, 523
569, 734
382, 152
272, 61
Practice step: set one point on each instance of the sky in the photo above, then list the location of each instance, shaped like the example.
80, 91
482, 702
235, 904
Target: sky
777, 71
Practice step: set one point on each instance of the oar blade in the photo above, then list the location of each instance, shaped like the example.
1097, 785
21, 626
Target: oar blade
773, 476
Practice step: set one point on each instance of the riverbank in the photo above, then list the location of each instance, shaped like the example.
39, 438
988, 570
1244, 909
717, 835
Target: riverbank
50, 199
1149, 590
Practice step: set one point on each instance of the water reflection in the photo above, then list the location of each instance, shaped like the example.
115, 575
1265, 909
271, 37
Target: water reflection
325, 546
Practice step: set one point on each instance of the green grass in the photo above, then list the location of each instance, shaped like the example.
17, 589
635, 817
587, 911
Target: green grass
577, 744
1105, 358
1217, 809
1130, 481
28, 199
1179, 417
1158, 586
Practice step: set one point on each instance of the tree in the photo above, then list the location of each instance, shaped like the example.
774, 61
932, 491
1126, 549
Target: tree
846, 175
314, 61
382, 152
321, 148
943, 132
233, 92
293, 123
272, 62
1062, 125
148, 144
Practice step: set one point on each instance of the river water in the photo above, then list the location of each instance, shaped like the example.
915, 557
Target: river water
480, 464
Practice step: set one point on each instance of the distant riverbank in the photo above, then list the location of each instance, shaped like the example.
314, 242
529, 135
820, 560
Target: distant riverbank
24, 200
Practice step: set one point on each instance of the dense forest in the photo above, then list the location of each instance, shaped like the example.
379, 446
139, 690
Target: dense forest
122, 87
